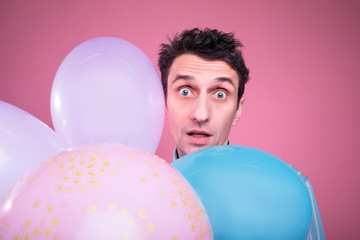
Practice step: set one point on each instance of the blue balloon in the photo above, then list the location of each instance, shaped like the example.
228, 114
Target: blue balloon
248, 193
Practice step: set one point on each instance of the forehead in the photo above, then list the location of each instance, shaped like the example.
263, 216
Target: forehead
195, 66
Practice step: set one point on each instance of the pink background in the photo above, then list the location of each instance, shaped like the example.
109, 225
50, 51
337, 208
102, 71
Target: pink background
300, 102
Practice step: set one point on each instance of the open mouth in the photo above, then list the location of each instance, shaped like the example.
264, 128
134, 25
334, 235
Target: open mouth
198, 134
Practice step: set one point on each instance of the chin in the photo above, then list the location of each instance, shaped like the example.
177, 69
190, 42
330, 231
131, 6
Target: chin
197, 148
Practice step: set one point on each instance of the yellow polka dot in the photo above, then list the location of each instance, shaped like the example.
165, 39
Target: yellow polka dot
66, 178
197, 213
101, 170
77, 181
70, 190
72, 167
155, 174
119, 166
26, 223
106, 163
17, 237
202, 211
123, 212
36, 232
173, 194
131, 156
60, 166
91, 174
32, 178
208, 233
26, 236
125, 234
49, 209
59, 188
55, 222
188, 216
78, 173
113, 173
59, 159
92, 159
91, 209
173, 203
193, 227
151, 227
143, 179
5, 228
132, 222
72, 159
82, 163
181, 192
201, 223
82, 189
95, 183
36, 204
185, 203
161, 193
47, 232
174, 238
112, 206
142, 214
49, 164
90, 165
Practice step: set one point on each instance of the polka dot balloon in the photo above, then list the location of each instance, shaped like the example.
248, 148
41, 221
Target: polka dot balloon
103, 191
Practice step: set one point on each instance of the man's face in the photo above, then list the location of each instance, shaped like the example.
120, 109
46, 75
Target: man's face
201, 104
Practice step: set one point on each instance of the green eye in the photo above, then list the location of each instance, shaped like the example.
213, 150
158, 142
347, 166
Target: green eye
220, 94
185, 92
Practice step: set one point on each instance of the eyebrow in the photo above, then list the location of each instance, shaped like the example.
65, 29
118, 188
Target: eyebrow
190, 78
182, 77
225, 79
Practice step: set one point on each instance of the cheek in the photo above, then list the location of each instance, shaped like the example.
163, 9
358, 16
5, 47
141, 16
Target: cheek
225, 119
173, 116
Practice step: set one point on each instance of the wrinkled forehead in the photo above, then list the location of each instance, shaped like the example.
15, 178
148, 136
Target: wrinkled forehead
193, 67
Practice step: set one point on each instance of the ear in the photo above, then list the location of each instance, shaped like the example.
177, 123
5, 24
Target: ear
238, 112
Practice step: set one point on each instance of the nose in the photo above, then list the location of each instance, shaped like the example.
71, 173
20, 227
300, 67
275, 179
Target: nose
201, 110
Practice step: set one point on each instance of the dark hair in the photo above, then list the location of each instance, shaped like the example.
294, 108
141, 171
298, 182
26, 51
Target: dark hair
209, 44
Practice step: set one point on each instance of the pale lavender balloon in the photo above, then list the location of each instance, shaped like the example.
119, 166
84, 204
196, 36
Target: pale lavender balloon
107, 91
25, 142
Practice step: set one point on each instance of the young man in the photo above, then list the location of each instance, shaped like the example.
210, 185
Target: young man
203, 75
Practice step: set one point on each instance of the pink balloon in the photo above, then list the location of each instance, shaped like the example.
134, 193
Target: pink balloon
25, 142
104, 191
107, 90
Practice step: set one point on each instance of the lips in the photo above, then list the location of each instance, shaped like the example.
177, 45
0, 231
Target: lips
199, 137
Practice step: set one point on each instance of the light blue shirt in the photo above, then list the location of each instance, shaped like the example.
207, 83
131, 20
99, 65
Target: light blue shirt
316, 229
